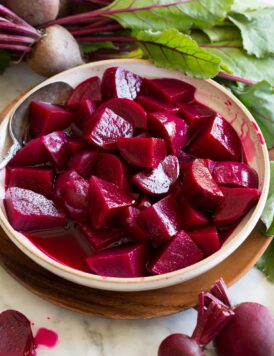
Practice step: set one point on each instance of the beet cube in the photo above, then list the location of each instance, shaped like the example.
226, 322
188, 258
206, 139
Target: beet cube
142, 152
235, 174
32, 154
162, 220
184, 159
179, 253
128, 110
237, 202
85, 163
160, 179
120, 83
39, 180
170, 90
143, 203
191, 217
46, 118
218, 141
89, 89
200, 188
129, 222
169, 127
55, 145
106, 128
150, 104
75, 146
85, 110
27, 211
106, 201
72, 193
112, 169
206, 239
100, 239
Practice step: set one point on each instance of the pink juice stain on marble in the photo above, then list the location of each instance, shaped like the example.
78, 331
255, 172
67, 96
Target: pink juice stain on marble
46, 337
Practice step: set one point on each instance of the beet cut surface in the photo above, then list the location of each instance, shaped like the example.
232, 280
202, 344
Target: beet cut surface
89, 89
151, 104
191, 217
206, 239
85, 162
129, 221
85, 110
55, 145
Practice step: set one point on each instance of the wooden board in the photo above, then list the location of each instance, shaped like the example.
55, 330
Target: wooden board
127, 305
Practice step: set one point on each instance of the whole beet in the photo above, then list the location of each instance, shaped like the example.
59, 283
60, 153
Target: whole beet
179, 345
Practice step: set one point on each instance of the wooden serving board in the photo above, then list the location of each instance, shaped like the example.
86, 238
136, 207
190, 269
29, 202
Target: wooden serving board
126, 305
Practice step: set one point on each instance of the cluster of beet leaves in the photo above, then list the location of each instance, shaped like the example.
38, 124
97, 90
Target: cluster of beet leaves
151, 178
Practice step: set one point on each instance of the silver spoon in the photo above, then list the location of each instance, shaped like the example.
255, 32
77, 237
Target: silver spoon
55, 93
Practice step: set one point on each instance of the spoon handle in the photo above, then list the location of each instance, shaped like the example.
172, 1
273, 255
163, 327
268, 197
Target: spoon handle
9, 155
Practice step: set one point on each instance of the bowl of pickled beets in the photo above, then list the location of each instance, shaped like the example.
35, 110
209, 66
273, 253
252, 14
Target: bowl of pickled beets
145, 178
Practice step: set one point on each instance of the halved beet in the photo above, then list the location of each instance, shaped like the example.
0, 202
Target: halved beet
39, 180
184, 159
106, 201
129, 222
179, 253
169, 90
29, 211
200, 188
106, 128
100, 239
85, 162
112, 169
191, 217
142, 152
55, 144
151, 104
85, 110
218, 141
162, 220
235, 174
16, 337
169, 127
89, 89
120, 83
46, 118
237, 202
160, 179
32, 154
128, 110
196, 115
121, 261
206, 239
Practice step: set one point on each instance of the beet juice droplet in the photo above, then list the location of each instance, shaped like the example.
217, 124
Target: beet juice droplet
46, 337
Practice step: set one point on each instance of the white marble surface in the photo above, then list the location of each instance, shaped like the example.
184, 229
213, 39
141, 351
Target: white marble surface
79, 335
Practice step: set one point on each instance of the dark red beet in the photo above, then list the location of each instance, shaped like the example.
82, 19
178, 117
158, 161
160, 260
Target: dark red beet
237, 202
217, 141
120, 83
143, 203
32, 154
169, 127
72, 193
150, 104
142, 152
85, 110
75, 146
112, 169
100, 239
199, 186
85, 162
122, 261
179, 345
128, 110
106, 128
16, 337
89, 89
129, 222
39, 180
191, 217
160, 179
106, 200
46, 118
169, 90
179, 253
28, 211
162, 220
55, 144
235, 174
206, 239
196, 115
249, 333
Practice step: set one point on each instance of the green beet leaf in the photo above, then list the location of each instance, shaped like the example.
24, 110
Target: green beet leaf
222, 33
174, 50
4, 60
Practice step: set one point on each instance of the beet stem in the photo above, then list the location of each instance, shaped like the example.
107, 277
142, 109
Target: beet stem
220, 291
235, 78
95, 29
14, 47
16, 39
12, 27
12, 17
105, 38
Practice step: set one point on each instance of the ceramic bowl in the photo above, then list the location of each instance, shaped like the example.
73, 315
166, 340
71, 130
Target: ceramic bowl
208, 92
